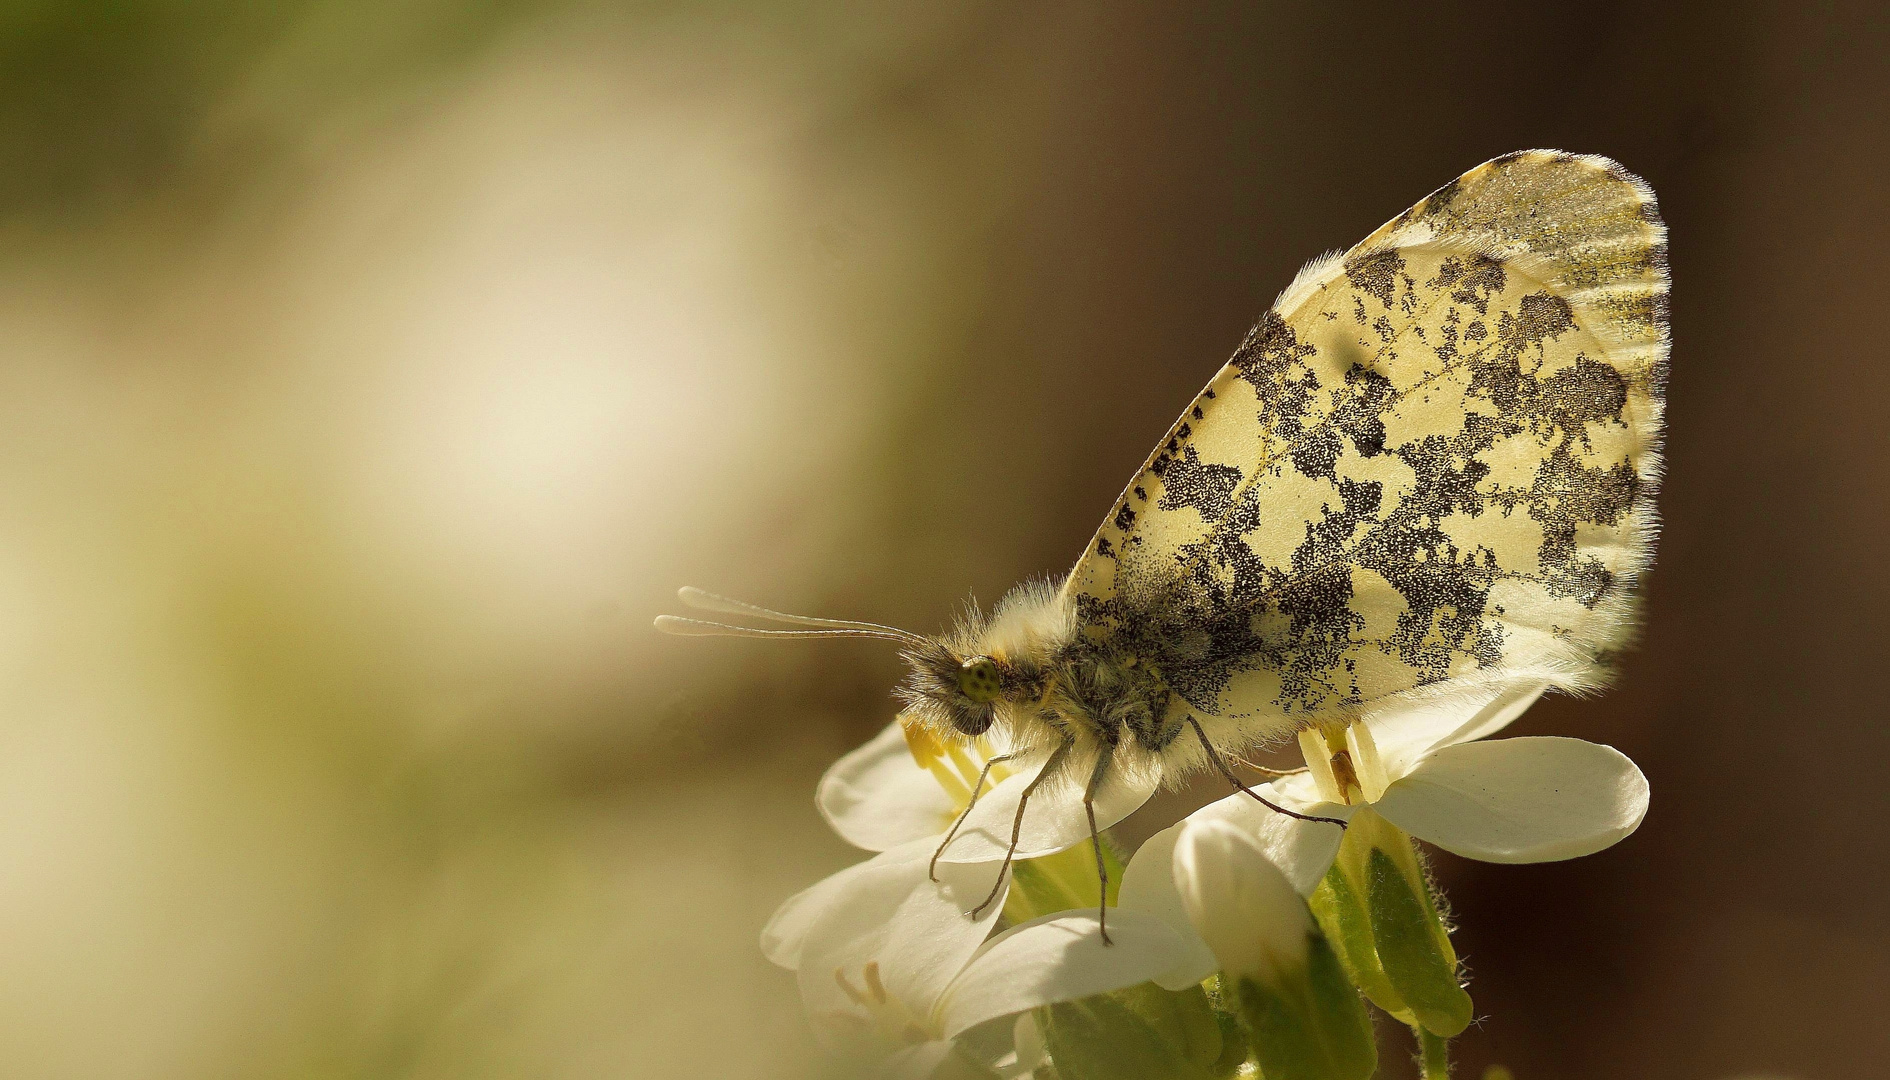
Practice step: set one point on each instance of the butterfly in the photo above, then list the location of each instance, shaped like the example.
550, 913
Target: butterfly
1429, 468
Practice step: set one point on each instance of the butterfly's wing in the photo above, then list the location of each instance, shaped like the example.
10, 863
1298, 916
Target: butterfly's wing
1432, 462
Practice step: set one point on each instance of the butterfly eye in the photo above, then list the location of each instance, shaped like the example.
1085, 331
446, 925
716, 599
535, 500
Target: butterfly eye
978, 678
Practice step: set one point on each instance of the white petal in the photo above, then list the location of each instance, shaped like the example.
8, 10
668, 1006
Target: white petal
892, 914
1053, 820
782, 938
877, 797
1407, 730
1498, 714
1520, 800
1057, 958
1303, 850
1148, 885
1240, 903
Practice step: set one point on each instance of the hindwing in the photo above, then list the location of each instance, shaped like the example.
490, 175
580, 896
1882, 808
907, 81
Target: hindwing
1433, 460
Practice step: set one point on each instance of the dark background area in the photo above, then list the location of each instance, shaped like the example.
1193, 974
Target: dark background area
370, 374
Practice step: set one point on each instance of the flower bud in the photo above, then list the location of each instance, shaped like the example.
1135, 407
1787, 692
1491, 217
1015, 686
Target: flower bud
960, 1065
1137, 1033
1306, 1020
1316, 1030
1241, 904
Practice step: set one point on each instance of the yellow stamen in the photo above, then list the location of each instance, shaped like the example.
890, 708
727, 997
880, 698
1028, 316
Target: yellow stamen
885, 1014
1000, 771
846, 987
931, 755
1345, 764
924, 745
1312, 744
1370, 768
871, 971
967, 769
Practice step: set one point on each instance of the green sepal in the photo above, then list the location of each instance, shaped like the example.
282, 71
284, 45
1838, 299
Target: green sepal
1311, 1028
1234, 1049
1102, 1038
1340, 911
1065, 881
1182, 1018
1412, 945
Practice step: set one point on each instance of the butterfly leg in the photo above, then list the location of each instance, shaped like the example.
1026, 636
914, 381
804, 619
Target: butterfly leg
1017, 824
1095, 839
976, 790
1215, 757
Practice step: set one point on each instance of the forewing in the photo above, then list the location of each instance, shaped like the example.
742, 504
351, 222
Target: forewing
1433, 460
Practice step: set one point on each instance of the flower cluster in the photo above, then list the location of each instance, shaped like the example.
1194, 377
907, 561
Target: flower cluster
1239, 935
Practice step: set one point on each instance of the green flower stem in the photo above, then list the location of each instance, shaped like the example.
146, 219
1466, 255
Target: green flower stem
1433, 1055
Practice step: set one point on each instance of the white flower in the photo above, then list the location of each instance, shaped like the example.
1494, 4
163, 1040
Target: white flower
908, 785
885, 953
900, 795
920, 974
1523, 800
888, 899
1533, 799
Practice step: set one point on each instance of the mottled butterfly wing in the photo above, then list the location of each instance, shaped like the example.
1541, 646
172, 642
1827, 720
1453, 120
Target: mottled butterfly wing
1434, 460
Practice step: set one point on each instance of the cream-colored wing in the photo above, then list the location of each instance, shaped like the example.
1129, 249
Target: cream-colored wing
1433, 460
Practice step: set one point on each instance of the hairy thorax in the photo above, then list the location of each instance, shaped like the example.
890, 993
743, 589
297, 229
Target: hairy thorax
1029, 674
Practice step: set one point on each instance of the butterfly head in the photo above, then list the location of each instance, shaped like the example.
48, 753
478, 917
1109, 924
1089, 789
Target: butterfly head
990, 669
950, 690
983, 670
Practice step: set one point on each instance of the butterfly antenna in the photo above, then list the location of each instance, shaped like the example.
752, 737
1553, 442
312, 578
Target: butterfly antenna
827, 628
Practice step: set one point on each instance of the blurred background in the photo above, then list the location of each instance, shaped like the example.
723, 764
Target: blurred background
371, 373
